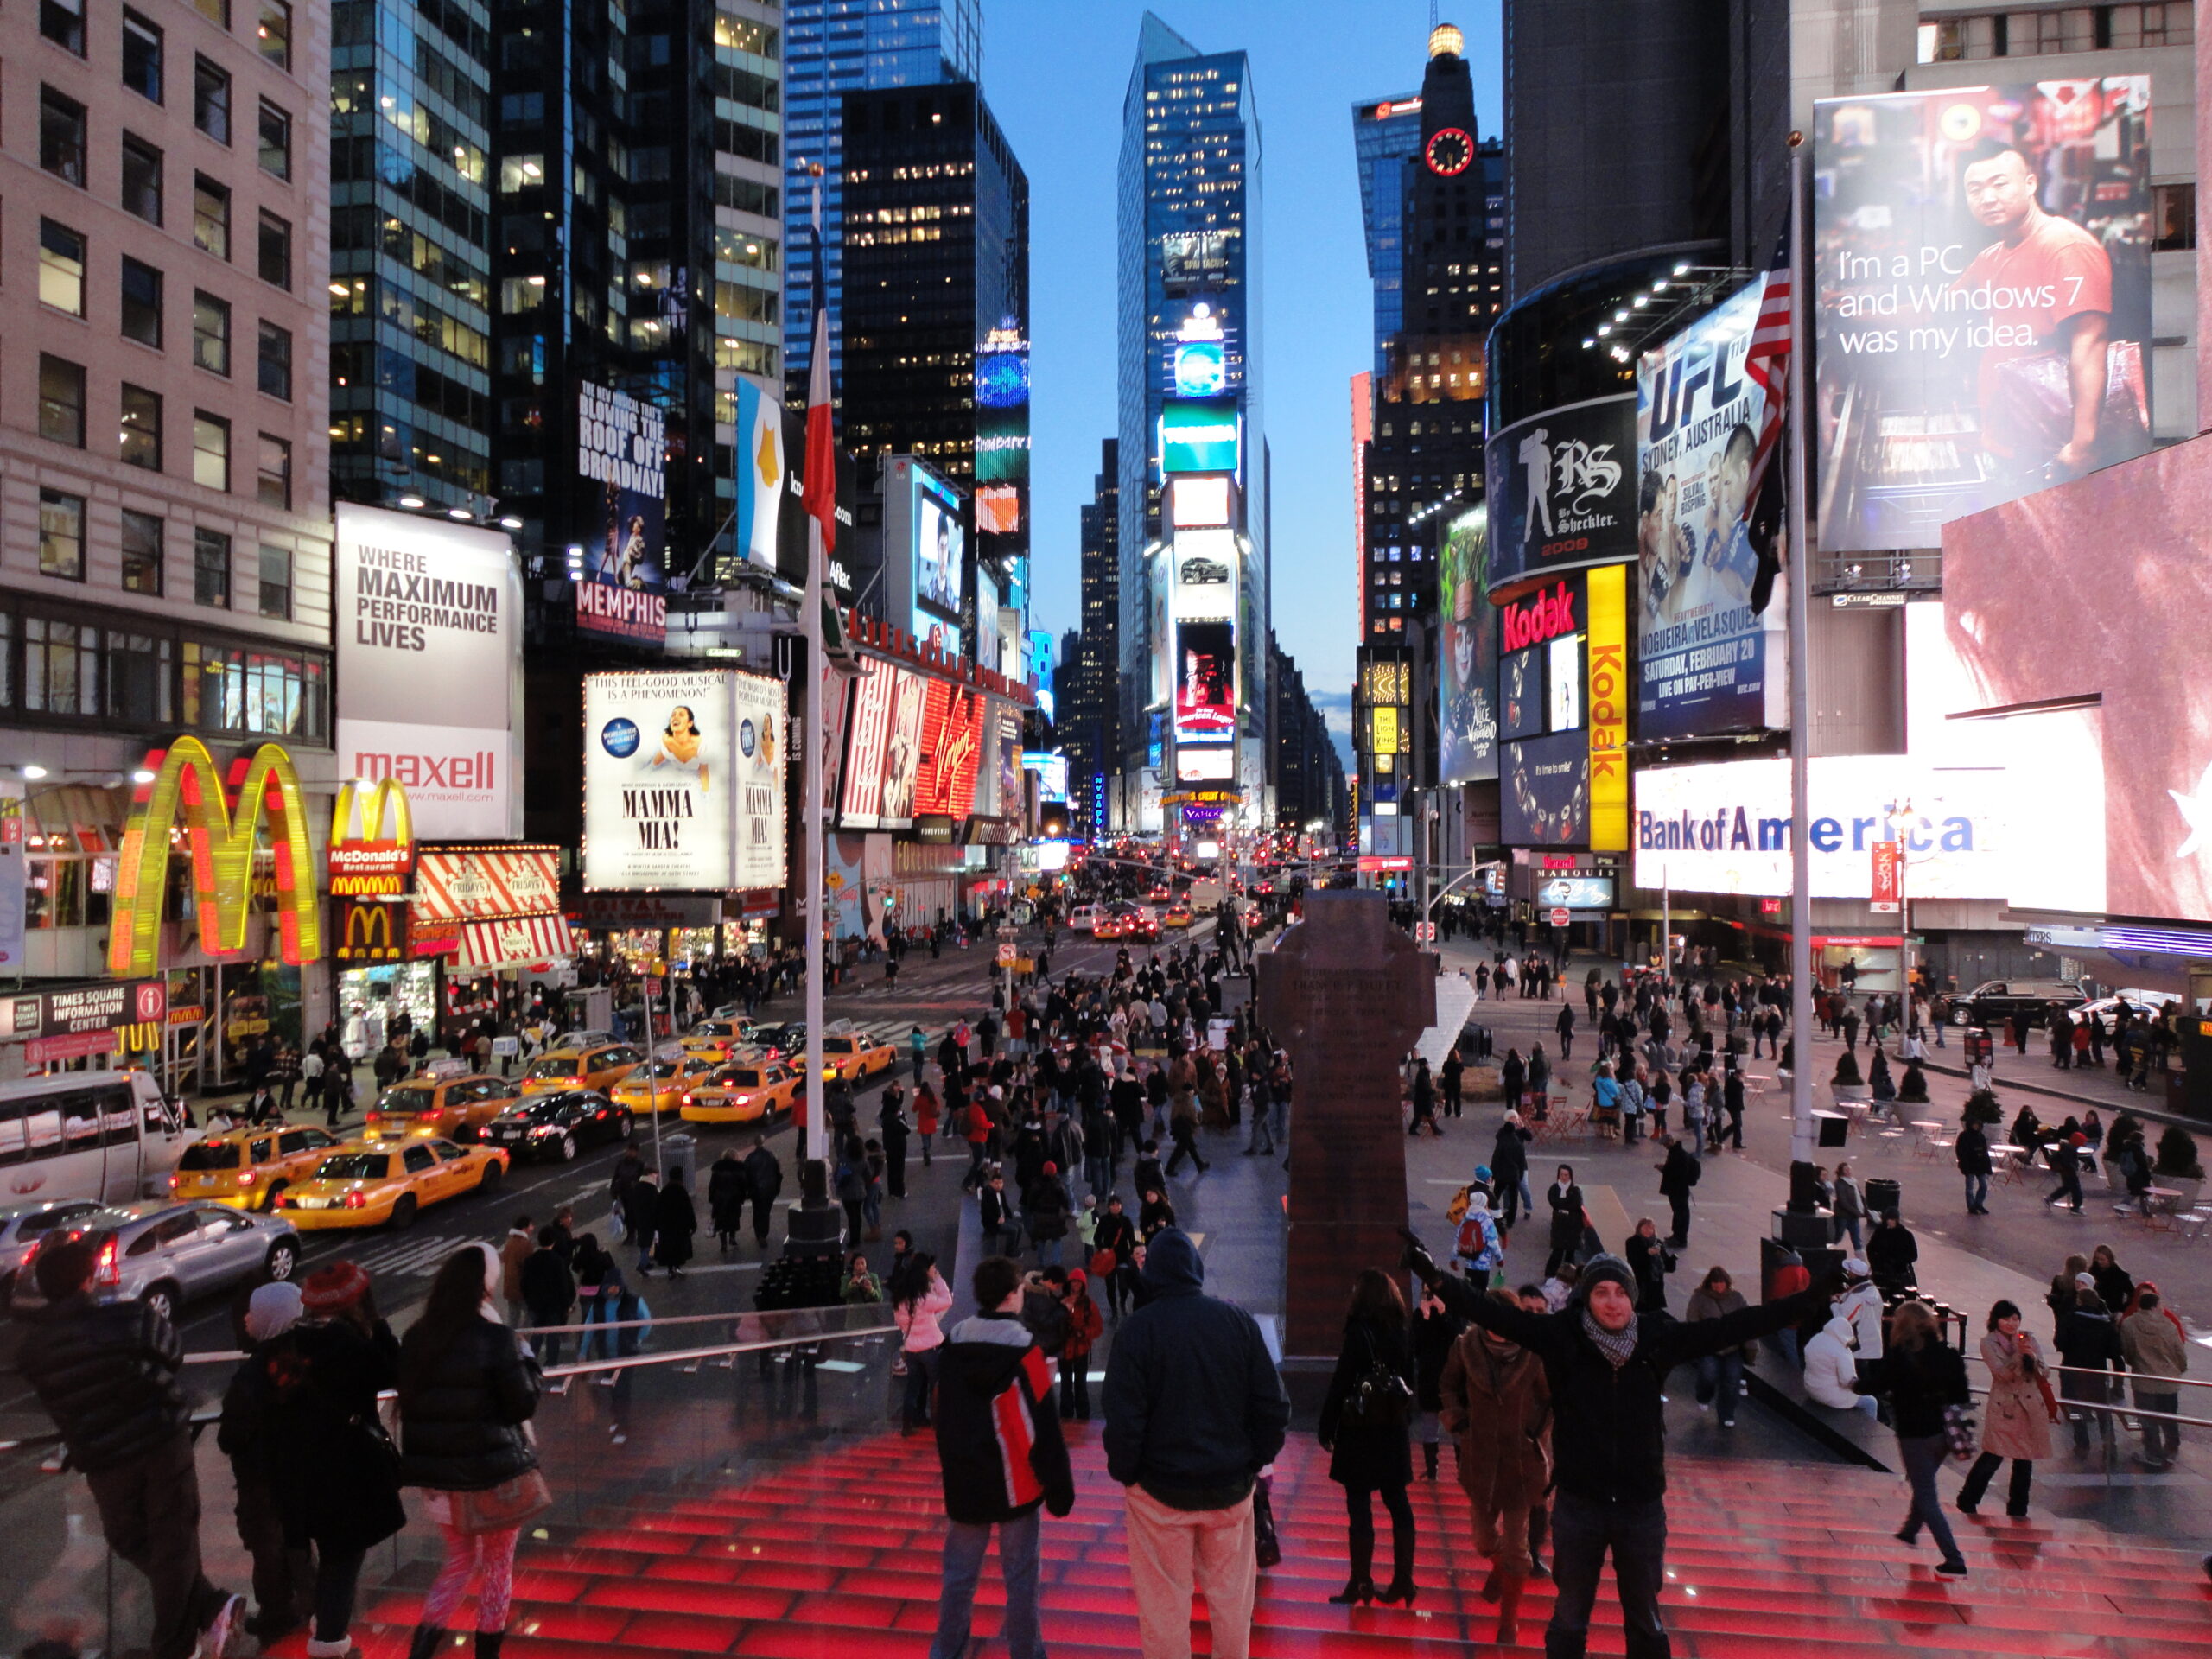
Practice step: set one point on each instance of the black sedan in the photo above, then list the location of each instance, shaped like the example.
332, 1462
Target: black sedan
558, 1125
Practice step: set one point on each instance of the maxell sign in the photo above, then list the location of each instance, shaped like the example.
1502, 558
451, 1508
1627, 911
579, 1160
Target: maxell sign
427, 639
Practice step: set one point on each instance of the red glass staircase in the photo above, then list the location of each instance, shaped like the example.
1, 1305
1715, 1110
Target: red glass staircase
836, 1558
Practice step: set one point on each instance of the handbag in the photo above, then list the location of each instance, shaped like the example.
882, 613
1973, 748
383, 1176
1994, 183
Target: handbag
513, 1502
1958, 1432
1267, 1542
1103, 1263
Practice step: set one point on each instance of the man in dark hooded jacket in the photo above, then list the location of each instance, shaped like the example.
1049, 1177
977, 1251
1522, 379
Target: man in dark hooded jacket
1605, 1364
1194, 1411
1000, 1451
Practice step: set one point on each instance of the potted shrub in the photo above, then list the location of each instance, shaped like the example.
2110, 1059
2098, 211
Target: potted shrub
1981, 1108
1846, 1084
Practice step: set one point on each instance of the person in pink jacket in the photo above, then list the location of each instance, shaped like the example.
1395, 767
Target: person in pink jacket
919, 1298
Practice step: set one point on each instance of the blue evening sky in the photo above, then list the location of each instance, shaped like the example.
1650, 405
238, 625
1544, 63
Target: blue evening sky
1055, 71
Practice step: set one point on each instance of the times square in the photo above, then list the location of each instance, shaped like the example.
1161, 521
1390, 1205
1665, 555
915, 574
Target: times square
864, 758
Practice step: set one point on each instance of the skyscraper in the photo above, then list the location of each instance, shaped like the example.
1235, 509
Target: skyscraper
410, 292
832, 48
1187, 294
1089, 709
1386, 140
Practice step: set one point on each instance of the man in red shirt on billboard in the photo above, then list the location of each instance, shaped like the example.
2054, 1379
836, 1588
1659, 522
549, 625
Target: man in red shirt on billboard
2050, 290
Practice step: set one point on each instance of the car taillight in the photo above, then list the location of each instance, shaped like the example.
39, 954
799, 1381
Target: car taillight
173, 1183
745, 1100
355, 1201
687, 1100
248, 1177
29, 1257
108, 1270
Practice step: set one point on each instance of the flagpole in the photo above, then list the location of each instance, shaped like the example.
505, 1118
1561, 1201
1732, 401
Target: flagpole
1800, 575
817, 889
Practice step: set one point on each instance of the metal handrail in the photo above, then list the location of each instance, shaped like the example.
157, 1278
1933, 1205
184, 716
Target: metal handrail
2094, 1370
2118, 1410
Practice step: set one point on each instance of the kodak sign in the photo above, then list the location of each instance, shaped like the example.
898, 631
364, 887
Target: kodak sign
1607, 656
216, 822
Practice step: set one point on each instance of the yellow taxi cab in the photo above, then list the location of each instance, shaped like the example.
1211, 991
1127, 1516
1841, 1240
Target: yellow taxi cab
600, 1066
456, 1106
659, 1085
248, 1168
1176, 915
745, 1092
713, 1039
368, 1183
850, 1057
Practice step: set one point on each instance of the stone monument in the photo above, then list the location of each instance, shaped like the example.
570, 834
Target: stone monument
1347, 994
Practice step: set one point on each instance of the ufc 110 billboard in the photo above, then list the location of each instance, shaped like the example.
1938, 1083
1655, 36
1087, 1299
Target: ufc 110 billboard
1985, 298
684, 781
1561, 486
428, 668
1710, 645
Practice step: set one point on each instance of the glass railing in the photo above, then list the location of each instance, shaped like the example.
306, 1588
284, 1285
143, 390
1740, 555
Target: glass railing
710, 1398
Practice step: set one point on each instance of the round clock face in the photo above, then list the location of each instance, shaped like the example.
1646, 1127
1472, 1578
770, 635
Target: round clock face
1450, 152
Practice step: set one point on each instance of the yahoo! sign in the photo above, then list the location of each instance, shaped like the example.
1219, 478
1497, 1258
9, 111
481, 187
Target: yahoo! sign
1725, 828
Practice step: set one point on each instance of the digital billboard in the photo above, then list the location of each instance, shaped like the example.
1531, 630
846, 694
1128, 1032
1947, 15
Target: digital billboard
1561, 490
428, 650
1984, 298
1540, 674
1467, 680
1710, 647
759, 704
883, 755
940, 546
622, 445
1574, 892
951, 751
662, 785
763, 478
1199, 436
1051, 770
1203, 567
1544, 793
1002, 439
1199, 503
1205, 683
1200, 368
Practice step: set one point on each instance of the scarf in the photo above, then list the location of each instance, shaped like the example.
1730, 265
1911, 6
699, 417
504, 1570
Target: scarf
1618, 1347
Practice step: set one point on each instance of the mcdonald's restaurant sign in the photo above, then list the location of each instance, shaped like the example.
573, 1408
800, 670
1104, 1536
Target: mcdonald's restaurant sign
371, 842
370, 930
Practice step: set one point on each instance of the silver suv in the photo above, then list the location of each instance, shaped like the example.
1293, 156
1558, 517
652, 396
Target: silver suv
163, 1254
22, 1226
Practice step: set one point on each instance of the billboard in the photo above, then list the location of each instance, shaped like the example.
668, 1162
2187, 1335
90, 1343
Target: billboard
1724, 828
429, 649
1002, 439
1202, 567
1710, 648
1605, 663
763, 476
1573, 893
1984, 298
661, 781
1205, 683
940, 547
1199, 435
1467, 676
1544, 794
622, 445
759, 704
949, 753
885, 752
1561, 490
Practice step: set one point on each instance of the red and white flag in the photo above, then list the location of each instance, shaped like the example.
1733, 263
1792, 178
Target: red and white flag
819, 489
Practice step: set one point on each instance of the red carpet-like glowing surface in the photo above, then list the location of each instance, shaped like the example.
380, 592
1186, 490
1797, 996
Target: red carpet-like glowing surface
838, 1557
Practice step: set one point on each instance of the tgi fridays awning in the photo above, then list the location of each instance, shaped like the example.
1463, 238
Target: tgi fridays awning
515, 942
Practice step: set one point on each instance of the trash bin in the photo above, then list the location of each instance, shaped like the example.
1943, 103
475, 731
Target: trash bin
680, 1151
1980, 1049
1884, 1196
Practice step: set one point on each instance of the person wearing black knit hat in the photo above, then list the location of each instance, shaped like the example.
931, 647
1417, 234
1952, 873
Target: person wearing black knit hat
1605, 1364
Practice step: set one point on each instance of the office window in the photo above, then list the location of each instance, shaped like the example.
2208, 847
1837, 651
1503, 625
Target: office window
275, 253
2173, 215
276, 141
60, 268
276, 582
211, 450
138, 684
141, 56
211, 216
210, 568
60, 535
274, 480
215, 11
141, 428
141, 302
521, 172
61, 135
61, 670
211, 331
274, 33
275, 361
142, 553
61, 401
141, 179
211, 100
62, 22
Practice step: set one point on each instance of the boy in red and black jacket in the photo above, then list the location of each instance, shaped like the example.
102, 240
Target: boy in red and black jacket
1000, 1450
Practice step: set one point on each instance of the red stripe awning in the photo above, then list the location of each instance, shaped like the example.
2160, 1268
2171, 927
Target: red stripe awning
515, 942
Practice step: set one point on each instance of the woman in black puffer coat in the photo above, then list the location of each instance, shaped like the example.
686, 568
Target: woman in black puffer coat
1369, 1450
467, 1386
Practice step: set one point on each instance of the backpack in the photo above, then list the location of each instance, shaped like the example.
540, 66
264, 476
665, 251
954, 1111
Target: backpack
1697, 1171
1477, 1240
1457, 1208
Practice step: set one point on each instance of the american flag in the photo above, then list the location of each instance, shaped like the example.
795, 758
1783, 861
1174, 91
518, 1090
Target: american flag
1767, 363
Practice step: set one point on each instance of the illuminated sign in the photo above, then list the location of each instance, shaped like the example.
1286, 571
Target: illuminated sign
1201, 368
1199, 504
370, 931
1199, 437
372, 841
219, 844
1607, 656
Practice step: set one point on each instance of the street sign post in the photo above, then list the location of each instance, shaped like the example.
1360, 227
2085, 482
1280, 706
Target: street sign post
1562, 918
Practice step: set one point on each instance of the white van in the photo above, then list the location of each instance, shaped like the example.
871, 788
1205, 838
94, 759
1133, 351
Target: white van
1083, 918
108, 1136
